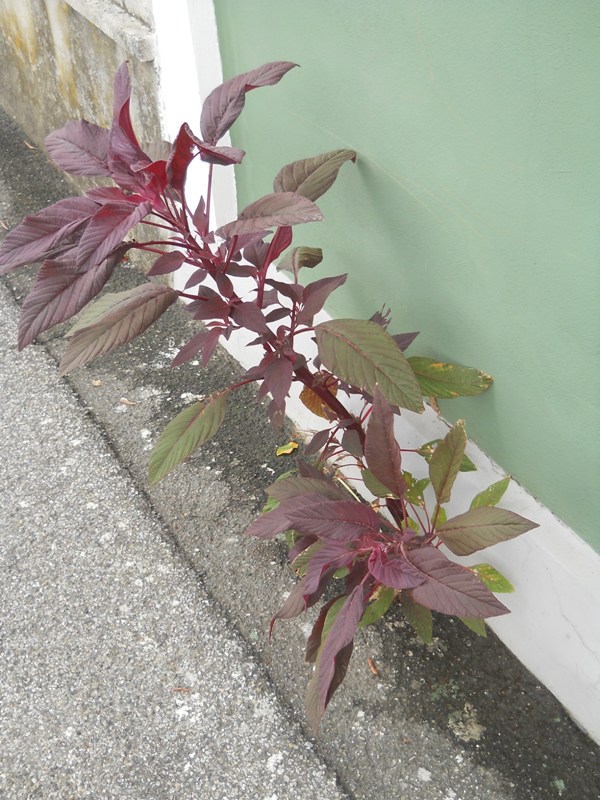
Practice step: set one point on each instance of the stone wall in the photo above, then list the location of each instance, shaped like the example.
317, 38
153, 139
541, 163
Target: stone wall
58, 59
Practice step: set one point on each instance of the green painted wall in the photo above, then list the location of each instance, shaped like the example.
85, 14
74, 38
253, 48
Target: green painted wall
474, 209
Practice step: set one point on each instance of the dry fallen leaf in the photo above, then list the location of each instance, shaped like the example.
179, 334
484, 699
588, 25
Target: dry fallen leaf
97, 383
125, 402
3, 224
372, 666
30, 146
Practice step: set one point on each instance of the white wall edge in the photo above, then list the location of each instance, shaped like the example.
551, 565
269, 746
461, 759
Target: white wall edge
553, 628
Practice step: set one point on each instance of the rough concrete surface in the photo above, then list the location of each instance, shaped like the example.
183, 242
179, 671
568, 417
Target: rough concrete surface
135, 621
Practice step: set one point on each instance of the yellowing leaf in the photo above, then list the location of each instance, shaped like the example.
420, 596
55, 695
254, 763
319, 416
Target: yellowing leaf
494, 580
446, 381
286, 449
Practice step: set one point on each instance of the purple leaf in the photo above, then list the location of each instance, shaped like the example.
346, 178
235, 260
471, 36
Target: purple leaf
314, 640
58, 294
381, 448
221, 155
299, 599
297, 485
332, 556
209, 305
403, 340
111, 194
132, 313
340, 635
340, 520
168, 262
450, 588
318, 441
312, 177
278, 209
394, 570
315, 295
482, 527
205, 342
444, 464
277, 380
293, 291
80, 148
106, 230
41, 235
224, 104
249, 315
269, 525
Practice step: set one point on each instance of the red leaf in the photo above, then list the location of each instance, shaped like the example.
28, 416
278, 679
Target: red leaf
280, 242
450, 588
381, 448
124, 320
315, 295
182, 154
340, 520
224, 104
277, 209
58, 294
80, 148
44, 234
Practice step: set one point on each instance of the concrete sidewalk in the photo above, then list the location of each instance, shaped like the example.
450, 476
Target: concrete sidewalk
134, 659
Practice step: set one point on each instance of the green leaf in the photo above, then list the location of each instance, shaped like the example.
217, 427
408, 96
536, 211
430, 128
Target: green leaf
442, 516
312, 177
482, 527
416, 488
418, 617
475, 624
300, 257
492, 579
120, 319
446, 381
365, 355
378, 607
492, 495
426, 450
184, 434
301, 561
373, 485
445, 461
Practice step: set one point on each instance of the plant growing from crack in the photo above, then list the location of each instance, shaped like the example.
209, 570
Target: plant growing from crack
367, 554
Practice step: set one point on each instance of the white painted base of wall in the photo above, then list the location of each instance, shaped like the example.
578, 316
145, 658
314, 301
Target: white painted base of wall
554, 626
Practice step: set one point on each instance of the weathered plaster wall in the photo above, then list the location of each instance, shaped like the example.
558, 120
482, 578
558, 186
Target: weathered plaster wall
58, 59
